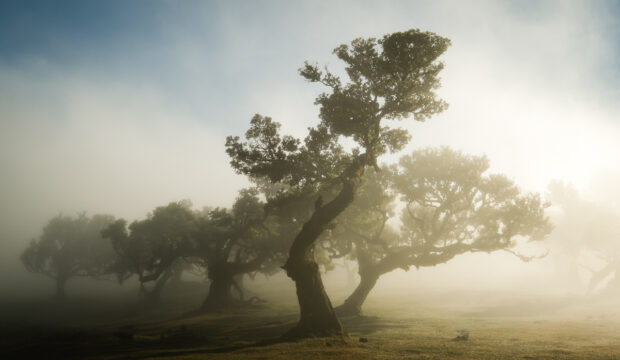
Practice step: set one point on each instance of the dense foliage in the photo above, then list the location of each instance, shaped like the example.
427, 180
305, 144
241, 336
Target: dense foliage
391, 78
450, 206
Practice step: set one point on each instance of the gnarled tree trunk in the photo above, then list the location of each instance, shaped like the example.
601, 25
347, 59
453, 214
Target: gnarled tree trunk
219, 295
153, 296
353, 304
369, 274
317, 317
238, 285
224, 276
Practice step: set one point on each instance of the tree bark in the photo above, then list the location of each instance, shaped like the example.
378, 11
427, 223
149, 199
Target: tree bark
153, 296
317, 317
238, 285
224, 276
353, 304
369, 272
219, 295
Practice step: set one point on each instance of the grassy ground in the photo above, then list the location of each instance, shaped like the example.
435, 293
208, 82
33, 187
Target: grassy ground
413, 327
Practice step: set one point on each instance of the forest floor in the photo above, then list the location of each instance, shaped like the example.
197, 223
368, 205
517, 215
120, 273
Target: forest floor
392, 328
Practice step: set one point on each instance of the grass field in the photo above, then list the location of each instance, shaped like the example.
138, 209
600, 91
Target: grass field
412, 327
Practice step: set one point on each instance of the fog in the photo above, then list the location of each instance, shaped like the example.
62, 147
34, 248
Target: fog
131, 110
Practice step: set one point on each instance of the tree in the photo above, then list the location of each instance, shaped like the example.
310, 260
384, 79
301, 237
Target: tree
451, 207
391, 78
70, 247
150, 248
233, 243
363, 233
585, 226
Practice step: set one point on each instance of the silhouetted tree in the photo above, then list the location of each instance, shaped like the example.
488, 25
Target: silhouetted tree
149, 248
451, 207
70, 247
250, 238
389, 78
230, 244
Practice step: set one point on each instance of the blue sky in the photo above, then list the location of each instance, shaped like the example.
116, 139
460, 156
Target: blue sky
120, 106
141, 41
216, 63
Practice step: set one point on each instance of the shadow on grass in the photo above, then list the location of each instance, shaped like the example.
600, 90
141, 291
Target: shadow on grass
83, 330
218, 350
274, 329
267, 333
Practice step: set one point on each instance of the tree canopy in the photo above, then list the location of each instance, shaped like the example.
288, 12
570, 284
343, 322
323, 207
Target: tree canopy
450, 206
69, 247
391, 78
235, 242
148, 248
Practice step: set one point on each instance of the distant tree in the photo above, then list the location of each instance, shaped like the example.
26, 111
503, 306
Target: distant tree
571, 213
390, 78
226, 244
70, 247
250, 238
451, 207
585, 227
150, 248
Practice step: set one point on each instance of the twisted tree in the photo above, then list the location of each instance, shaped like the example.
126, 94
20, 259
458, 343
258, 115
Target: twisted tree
234, 243
391, 78
451, 207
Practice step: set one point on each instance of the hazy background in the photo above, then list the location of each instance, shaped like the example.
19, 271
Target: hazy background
117, 107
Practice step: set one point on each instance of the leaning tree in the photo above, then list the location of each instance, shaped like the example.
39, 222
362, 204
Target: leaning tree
70, 247
391, 78
451, 206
